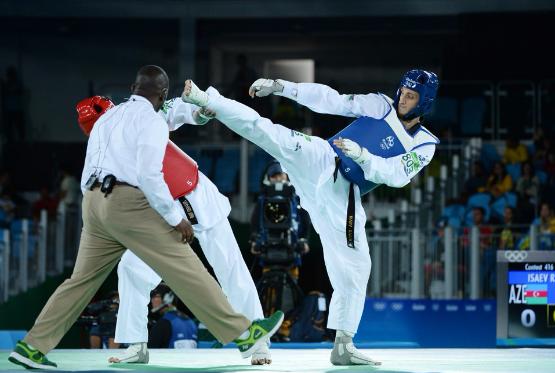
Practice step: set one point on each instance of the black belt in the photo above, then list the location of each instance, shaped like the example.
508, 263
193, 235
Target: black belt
98, 184
350, 221
110, 181
188, 210
107, 184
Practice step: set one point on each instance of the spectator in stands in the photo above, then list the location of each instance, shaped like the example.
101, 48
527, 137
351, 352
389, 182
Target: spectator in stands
7, 207
487, 252
546, 220
478, 220
507, 234
499, 182
45, 202
546, 227
477, 181
515, 152
546, 194
542, 147
69, 188
527, 186
434, 261
528, 189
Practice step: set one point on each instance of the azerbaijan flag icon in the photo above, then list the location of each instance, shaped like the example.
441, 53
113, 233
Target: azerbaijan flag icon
536, 294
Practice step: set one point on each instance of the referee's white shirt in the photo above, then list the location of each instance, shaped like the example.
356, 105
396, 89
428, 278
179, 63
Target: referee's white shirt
129, 142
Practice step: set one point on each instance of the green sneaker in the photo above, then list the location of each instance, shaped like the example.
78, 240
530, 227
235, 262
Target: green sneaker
30, 358
260, 332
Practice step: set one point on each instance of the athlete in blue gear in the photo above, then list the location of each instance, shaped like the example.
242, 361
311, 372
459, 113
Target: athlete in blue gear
172, 329
386, 144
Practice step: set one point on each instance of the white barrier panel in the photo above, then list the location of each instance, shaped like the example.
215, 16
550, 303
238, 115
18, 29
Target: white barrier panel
449, 264
475, 263
5, 265
42, 245
60, 238
24, 256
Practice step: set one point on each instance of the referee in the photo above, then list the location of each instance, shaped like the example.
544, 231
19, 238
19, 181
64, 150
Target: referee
127, 204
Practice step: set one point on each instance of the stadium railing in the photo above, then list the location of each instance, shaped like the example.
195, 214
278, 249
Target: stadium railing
32, 250
444, 263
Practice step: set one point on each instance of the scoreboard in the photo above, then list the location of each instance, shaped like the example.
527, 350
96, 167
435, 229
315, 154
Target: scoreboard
525, 298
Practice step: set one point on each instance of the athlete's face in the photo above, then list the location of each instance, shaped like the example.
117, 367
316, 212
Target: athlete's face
156, 301
278, 178
407, 100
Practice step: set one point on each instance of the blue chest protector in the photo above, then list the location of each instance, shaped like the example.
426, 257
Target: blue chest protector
381, 137
184, 330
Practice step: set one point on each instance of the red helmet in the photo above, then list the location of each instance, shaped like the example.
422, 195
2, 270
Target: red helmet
90, 109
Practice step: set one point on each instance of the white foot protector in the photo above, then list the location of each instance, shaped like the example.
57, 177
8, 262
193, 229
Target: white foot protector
135, 353
262, 356
193, 94
345, 353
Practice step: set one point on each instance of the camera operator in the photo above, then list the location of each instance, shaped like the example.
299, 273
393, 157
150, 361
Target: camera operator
280, 226
170, 327
101, 318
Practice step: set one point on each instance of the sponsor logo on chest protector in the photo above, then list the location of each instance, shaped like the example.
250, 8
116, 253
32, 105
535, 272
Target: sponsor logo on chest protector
387, 143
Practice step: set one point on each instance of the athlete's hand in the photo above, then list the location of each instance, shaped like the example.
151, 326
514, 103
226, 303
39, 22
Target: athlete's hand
203, 116
264, 87
352, 150
349, 147
186, 229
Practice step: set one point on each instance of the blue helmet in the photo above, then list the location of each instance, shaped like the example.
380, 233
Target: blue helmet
426, 84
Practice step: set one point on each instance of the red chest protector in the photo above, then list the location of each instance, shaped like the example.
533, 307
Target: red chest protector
180, 171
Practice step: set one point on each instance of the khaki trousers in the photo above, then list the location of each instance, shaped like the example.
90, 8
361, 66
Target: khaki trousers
124, 219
